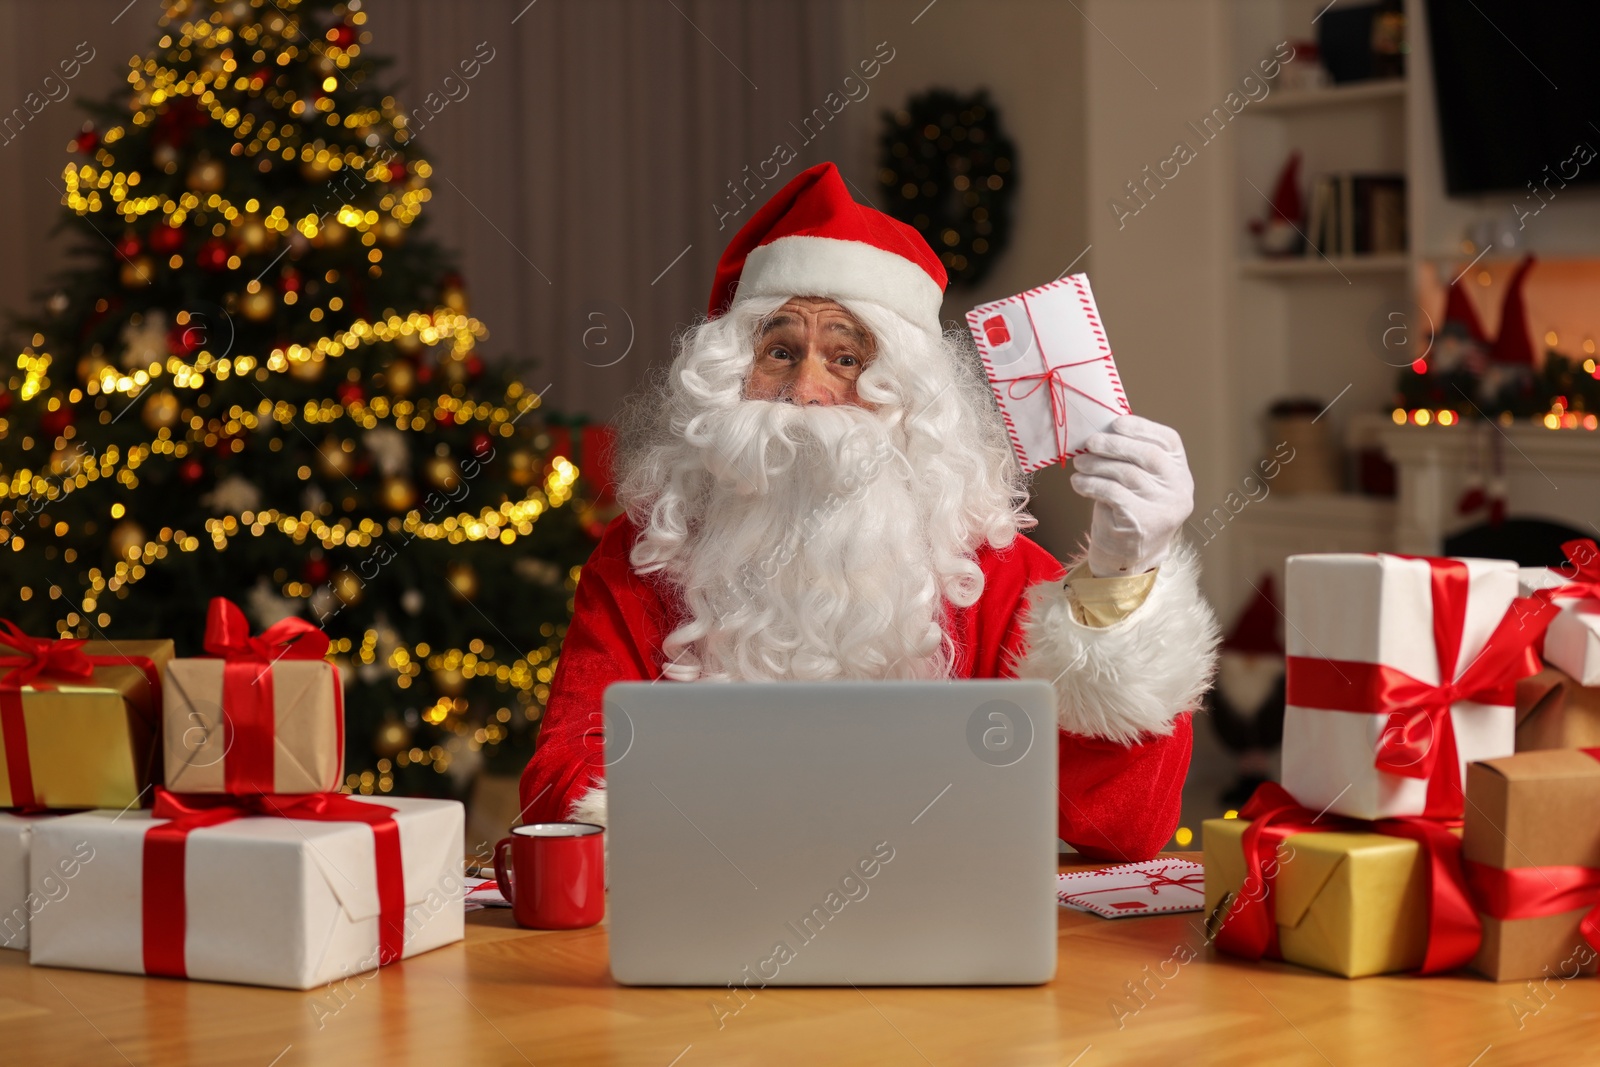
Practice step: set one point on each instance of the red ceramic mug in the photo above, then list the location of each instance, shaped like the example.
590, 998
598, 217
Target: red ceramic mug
557, 876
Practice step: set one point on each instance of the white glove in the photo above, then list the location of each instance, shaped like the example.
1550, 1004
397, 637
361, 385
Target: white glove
1138, 477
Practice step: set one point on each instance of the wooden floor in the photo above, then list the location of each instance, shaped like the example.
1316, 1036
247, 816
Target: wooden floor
509, 996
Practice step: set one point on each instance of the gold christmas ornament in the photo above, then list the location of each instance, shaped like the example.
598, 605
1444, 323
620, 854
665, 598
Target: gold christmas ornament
521, 467
449, 681
315, 169
126, 539
347, 587
258, 306
332, 234
409, 343
398, 494
307, 370
90, 366
392, 739
333, 460
390, 231
455, 298
161, 410
401, 378
207, 176
254, 235
441, 472
453, 370
463, 579
138, 271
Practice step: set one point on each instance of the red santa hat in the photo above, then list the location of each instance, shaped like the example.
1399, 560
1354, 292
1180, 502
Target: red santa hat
813, 239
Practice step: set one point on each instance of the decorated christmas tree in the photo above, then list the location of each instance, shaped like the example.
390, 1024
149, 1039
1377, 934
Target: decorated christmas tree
261, 381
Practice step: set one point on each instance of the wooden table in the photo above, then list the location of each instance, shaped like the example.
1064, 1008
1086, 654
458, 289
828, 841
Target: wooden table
510, 996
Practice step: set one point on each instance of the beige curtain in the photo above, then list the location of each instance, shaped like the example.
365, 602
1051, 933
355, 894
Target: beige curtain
575, 175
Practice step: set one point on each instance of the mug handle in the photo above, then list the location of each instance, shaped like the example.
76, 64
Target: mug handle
501, 875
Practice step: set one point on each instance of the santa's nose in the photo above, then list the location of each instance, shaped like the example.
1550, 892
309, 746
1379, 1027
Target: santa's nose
811, 386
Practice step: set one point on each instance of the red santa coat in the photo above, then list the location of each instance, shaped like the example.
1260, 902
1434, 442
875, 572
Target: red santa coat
1124, 691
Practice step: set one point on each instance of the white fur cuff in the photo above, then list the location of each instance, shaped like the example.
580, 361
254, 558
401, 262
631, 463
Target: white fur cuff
591, 807
1136, 676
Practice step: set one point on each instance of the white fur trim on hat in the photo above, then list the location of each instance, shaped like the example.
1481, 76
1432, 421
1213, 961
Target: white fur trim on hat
841, 270
1136, 676
591, 807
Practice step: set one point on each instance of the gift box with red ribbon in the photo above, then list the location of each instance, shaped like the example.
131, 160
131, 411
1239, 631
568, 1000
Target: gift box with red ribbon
1554, 711
17, 905
1401, 670
1348, 896
1572, 642
287, 891
1532, 850
79, 720
261, 714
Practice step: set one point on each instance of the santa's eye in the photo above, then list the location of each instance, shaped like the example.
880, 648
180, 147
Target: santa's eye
778, 352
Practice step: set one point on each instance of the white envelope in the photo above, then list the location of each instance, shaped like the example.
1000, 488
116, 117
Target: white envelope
1149, 888
1047, 359
1379, 609
275, 902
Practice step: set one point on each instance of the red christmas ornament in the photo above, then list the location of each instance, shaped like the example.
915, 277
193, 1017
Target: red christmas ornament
482, 444
165, 239
191, 470
86, 141
350, 393
184, 341
397, 170
444, 417
51, 423
342, 35
224, 446
214, 255
424, 373
289, 281
316, 571
5, 401
474, 367
129, 246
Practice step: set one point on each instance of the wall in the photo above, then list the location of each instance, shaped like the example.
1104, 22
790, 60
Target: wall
1029, 54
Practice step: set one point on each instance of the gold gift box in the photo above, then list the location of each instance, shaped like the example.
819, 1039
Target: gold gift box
92, 744
1352, 904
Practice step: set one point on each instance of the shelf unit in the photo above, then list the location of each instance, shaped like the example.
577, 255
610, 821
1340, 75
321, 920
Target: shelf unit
1295, 267
1334, 96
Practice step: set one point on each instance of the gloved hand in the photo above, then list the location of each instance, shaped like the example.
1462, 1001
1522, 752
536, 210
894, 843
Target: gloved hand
1138, 477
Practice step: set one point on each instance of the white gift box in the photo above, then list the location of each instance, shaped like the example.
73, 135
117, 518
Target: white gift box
1572, 642
1378, 609
1047, 359
276, 902
17, 906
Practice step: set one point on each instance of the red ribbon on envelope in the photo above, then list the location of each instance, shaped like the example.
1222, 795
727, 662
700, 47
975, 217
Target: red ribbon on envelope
43, 661
1419, 740
1251, 929
165, 913
249, 727
1058, 385
1151, 880
1535, 892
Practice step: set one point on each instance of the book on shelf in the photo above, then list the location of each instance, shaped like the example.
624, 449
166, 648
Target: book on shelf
1357, 215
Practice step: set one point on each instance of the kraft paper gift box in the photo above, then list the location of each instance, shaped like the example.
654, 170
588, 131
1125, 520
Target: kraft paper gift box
1532, 850
1351, 904
280, 902
1572, 642
1357, 622
86, 742
305, 751
1554, 711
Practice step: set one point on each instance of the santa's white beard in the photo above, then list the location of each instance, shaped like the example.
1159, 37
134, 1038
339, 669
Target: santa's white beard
810, 542
808, 557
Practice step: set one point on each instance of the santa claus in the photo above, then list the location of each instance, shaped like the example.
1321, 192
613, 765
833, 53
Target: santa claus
821, 487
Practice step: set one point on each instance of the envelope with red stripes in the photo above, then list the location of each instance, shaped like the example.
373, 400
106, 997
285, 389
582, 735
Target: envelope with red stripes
1047, 358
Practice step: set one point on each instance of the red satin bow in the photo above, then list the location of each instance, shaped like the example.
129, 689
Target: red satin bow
249, 721
1419, 739
164, 910
1582, 570
43, 660
1250, 928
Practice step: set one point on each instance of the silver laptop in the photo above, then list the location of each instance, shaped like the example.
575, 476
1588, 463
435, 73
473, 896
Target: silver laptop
831, 833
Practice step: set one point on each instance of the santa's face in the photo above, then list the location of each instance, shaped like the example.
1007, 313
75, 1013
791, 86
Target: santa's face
810, 351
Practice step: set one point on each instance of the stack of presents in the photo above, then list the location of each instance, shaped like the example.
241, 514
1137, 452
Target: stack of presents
249, 865
1440, 804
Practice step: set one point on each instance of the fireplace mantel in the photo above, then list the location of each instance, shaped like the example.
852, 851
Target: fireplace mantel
1549, 474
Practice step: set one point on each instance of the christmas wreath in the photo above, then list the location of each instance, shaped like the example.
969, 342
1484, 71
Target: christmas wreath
950, 171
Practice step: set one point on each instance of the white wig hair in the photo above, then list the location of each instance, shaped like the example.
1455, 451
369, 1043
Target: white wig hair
817, 542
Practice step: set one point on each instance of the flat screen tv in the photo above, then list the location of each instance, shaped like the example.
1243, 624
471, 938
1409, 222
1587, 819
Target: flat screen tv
1518, 87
